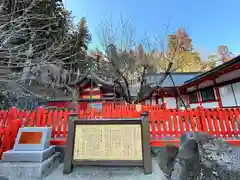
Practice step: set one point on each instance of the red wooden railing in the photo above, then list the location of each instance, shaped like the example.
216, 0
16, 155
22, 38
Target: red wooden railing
165, 125
8, 131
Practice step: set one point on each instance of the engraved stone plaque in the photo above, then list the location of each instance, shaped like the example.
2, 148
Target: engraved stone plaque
30, 138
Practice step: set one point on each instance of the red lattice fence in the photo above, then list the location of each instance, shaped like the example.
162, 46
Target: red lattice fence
165, 125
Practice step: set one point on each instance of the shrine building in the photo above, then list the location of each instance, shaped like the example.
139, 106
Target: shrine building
217, 88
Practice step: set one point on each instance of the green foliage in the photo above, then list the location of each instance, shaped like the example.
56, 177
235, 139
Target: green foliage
84, 37
188, 62
180, 53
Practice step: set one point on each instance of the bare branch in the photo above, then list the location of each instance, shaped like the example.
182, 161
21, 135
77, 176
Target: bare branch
41, 43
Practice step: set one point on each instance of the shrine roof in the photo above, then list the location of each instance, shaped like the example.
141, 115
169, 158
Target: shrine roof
178, 77
96, 78
223, 68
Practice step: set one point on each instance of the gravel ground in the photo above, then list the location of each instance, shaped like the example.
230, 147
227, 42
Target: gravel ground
106, 173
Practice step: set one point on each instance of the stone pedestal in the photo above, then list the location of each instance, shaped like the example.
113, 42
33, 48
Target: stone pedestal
29, 170
32, 157
28, 156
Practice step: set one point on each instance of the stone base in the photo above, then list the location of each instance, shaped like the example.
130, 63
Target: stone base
28, 156
110, 173
29, 170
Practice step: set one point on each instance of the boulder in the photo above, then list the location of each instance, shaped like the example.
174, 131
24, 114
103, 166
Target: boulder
187, 164
165, 157
219, 160
204, 157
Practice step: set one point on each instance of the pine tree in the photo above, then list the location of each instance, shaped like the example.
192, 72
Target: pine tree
84, 37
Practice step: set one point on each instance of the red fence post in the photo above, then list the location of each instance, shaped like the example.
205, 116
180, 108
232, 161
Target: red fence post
12, 114
9, 136
3, 118
202, 118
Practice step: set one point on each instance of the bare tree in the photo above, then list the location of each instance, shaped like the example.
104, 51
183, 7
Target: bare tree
127, 62
42, 43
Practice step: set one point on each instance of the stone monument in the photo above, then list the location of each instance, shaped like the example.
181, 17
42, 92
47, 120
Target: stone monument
32, 157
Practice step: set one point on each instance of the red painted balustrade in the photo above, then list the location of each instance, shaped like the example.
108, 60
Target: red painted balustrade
165, 125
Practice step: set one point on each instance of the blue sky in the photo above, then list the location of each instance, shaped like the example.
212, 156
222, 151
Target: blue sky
208, 22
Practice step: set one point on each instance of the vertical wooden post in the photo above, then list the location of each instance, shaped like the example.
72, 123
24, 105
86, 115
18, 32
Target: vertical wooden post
199, 96
67, 167
202, 118
188, 101
163, 100
217, 94
147, 159
199, 119
176, 97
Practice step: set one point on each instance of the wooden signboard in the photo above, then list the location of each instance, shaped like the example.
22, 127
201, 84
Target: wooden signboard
108, 142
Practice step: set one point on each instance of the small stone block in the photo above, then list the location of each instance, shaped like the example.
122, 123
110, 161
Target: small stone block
29, 170
28, 156
32, 139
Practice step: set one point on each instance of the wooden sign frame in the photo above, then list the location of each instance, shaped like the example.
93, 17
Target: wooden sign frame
146, 161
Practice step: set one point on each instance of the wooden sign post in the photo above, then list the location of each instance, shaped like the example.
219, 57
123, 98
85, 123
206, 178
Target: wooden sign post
108, 142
